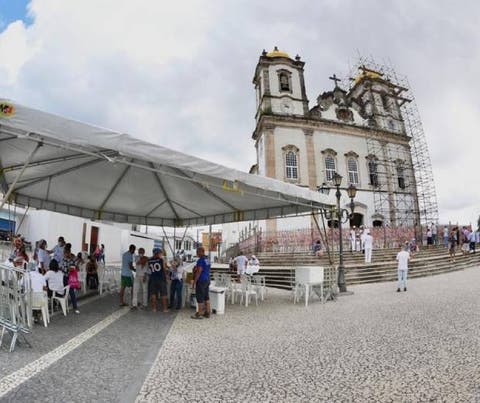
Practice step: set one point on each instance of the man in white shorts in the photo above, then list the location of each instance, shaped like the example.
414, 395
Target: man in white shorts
403, 257
242, 262
368, 244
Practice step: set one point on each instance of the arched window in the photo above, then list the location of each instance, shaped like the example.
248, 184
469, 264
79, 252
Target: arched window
284, 80
291, 167
284, 84
330, 167
352, 166
373, 171
385, 102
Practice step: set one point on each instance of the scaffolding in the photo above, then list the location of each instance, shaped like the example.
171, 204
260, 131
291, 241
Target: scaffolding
401, 176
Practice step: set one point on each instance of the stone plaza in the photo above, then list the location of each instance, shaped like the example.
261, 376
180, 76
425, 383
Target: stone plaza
376, 345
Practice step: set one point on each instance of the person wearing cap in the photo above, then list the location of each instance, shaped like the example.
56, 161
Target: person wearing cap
126, 279
201, 283
158, 280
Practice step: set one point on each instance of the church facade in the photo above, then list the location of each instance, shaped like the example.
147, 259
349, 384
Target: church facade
359, 134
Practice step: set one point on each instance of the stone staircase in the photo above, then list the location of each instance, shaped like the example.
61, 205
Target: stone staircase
279, 267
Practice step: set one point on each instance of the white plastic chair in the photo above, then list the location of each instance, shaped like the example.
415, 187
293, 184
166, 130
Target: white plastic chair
40, 303
63, 299
82, 276
247, 290
260, 286
298, 292
103, 279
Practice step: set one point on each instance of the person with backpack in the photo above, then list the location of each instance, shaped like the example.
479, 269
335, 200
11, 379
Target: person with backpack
70, 272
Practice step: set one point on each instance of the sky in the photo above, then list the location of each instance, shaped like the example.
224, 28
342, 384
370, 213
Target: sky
179, 74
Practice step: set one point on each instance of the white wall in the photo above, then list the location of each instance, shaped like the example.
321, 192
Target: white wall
40, 224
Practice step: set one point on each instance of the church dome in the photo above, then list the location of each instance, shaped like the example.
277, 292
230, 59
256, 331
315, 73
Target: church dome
277, 53
367, 74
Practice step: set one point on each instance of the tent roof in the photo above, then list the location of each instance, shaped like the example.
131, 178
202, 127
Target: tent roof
91, 172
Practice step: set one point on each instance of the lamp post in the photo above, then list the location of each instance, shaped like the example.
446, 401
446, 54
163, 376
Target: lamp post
342, 216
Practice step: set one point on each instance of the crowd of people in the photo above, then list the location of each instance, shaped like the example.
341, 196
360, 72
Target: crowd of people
54, 269
149, 278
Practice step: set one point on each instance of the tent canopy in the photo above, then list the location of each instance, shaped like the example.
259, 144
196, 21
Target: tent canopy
57, 164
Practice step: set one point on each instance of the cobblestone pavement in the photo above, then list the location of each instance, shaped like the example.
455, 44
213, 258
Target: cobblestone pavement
374, 346
109, 367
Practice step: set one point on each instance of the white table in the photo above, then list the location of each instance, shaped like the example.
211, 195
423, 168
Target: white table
310, 277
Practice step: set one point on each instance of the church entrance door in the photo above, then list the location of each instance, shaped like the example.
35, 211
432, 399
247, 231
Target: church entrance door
356, 220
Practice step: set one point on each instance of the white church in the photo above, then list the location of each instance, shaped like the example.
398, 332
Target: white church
359, 133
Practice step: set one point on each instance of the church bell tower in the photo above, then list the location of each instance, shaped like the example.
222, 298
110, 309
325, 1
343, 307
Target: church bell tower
280, 85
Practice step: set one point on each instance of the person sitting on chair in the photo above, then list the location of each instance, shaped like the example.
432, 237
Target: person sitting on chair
92, 274
317, 248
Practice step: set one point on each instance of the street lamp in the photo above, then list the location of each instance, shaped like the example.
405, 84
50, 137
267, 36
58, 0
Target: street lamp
342, 216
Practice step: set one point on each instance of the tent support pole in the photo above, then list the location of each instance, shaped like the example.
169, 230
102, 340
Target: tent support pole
23, 218
209, 242
12, 186
168, 241
324, 239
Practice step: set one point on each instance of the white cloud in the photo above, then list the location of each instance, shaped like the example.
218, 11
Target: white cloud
15, 51
179, 73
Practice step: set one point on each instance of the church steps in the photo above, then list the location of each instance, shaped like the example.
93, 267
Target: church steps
425, 263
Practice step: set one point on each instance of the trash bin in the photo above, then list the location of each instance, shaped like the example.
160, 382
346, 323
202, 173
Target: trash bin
217, 299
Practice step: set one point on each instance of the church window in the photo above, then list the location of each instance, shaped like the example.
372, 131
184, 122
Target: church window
284, 81
291, 167
330, 168
352, 166
385, 102
401, 176
373, 172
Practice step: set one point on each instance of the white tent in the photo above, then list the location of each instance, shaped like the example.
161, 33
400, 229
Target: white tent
53, 163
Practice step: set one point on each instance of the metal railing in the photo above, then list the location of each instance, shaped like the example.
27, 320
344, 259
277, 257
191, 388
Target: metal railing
15, 304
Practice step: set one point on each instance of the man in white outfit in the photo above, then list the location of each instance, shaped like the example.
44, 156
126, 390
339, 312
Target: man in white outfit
403, 257
241, 261
368, 244
353, 238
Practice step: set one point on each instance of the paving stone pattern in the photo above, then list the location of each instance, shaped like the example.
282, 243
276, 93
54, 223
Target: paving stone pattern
377, 345
110, 367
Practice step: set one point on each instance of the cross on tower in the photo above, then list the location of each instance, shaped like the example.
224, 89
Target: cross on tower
335, 79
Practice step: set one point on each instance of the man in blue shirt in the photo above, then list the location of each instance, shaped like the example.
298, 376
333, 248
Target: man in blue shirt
127, 273
201, 283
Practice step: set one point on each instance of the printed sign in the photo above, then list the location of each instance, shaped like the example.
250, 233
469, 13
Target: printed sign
6, 109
